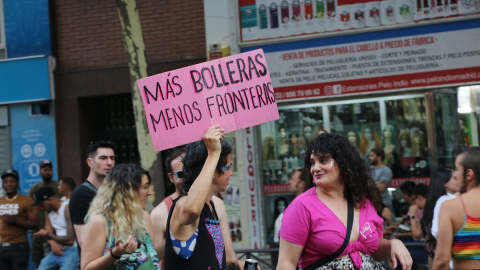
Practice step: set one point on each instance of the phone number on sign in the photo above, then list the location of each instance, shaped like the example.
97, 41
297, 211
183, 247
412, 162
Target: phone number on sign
298, 93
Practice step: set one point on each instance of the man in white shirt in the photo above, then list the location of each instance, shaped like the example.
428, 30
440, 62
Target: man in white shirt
58, 231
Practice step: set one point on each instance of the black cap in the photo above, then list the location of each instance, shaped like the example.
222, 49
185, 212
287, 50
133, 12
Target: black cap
46, 162
42, 194
10, 172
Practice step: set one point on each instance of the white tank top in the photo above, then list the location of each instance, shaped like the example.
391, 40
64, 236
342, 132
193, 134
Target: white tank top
58, 221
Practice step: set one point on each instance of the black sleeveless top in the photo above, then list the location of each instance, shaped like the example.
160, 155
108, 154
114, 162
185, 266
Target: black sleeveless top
206, 249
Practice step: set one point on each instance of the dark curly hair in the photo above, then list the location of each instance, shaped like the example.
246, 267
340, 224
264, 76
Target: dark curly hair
195, 157
354, 172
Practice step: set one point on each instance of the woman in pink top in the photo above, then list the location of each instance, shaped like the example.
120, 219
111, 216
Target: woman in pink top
314, 224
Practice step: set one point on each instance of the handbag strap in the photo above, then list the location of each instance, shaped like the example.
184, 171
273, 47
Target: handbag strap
333, 256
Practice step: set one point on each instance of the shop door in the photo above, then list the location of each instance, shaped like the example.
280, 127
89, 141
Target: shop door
117, 124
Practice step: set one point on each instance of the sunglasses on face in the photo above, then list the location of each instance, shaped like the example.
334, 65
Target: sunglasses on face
178, 174
226, 168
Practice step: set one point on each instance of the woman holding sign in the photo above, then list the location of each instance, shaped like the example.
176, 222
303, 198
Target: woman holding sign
194, 238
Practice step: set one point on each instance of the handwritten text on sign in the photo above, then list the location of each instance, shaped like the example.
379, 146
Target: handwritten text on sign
234, 92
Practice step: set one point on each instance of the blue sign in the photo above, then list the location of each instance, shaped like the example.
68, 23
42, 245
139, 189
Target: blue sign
33, 140
27, 28
25, 79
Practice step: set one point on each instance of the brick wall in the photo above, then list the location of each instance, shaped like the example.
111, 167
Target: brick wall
92, 61
87, 34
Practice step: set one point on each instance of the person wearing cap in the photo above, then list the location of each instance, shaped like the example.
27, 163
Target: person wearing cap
58, 231
46, 171
39, 244
100, 159
17, 216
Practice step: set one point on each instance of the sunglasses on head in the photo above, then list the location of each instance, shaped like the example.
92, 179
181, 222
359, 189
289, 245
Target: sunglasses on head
178, 174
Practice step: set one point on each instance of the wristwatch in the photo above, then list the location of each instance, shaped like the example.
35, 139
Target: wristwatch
47, 236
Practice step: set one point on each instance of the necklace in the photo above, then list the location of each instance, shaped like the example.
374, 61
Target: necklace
14, 197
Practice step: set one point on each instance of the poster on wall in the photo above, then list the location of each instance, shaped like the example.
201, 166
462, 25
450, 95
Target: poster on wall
231, 199
263, 20
252, 188
33, 140
416, 57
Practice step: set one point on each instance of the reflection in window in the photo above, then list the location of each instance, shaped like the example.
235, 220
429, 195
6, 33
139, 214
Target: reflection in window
284, 141
359, 122
404, 138
447, 123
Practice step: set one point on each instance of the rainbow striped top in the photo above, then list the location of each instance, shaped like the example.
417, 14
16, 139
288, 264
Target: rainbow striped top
466, 242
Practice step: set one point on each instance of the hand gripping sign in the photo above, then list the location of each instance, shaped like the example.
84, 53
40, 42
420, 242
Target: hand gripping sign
234, 92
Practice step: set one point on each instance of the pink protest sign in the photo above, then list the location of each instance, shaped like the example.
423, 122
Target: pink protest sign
234, 92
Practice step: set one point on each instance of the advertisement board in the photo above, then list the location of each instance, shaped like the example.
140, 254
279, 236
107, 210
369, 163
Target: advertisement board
279, 19
33, 140
422, 56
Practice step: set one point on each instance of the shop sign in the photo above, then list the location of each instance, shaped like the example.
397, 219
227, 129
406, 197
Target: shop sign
33, 138
277, 188
408, 59
15, 88
280, 19
252, 190
396, 182
234, 92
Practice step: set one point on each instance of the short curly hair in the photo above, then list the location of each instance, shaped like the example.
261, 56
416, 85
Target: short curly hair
354, 172
195, 157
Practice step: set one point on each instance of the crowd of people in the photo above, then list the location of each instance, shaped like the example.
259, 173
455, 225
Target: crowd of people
341, 216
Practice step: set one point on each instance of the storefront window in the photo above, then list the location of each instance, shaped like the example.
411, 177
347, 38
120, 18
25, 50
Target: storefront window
451, 136
359, 122
283, 144
398, 124
404, 138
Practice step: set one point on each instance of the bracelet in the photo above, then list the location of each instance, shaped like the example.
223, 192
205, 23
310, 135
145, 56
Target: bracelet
113, 255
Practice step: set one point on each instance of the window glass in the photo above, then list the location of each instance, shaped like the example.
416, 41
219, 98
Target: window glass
450, 131
397, 124
283, 143
404, 138
359, 122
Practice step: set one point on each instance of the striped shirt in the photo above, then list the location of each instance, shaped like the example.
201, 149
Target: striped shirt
466, 242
